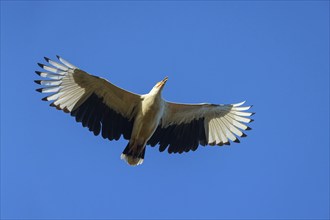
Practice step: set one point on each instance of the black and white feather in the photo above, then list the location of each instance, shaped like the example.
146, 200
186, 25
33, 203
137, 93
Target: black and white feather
93, 101
186, 126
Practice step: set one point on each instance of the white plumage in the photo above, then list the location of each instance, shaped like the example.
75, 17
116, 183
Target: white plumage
142, 119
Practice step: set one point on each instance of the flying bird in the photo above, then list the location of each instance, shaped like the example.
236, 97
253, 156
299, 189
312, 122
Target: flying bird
148, 119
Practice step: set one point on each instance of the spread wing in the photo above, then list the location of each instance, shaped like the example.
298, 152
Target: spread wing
184, 127
93, 101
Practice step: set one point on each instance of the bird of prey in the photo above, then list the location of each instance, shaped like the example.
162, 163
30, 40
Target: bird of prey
143, 120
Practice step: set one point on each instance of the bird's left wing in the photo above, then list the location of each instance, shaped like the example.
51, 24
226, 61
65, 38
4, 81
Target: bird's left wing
185, 126
96, 103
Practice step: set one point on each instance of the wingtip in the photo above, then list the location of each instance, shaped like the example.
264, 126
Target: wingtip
251, 120
39, 90
45, 98
47, 59
243, 135
38, 81
239, 104
248, 129
38, 72
41, 65
58, 57
237, 140
252, 113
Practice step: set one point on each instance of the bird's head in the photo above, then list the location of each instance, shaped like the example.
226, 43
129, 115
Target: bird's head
160, 85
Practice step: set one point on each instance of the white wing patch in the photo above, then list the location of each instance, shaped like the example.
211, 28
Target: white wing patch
71, 87
225, 123
60, 81
222, 123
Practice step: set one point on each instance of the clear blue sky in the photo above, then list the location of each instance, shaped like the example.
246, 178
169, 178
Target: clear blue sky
273, 54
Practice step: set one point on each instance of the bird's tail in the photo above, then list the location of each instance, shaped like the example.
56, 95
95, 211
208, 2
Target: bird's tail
132, 157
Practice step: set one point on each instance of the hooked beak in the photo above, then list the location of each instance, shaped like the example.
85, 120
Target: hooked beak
165, 80
162, 83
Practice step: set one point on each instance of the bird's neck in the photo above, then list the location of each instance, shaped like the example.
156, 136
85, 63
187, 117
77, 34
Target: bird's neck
156, 93
153, 96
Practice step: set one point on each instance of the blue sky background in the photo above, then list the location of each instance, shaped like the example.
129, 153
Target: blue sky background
274, 54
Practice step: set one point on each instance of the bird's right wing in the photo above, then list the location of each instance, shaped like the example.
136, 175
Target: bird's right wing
185, 126
93, 101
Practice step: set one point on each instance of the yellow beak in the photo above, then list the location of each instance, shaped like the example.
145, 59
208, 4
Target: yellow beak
162, 83
165, 80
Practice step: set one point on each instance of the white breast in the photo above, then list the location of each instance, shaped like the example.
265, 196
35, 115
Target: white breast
148, 117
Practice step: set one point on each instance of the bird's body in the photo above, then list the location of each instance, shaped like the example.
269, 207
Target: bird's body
147, 120
142, 119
